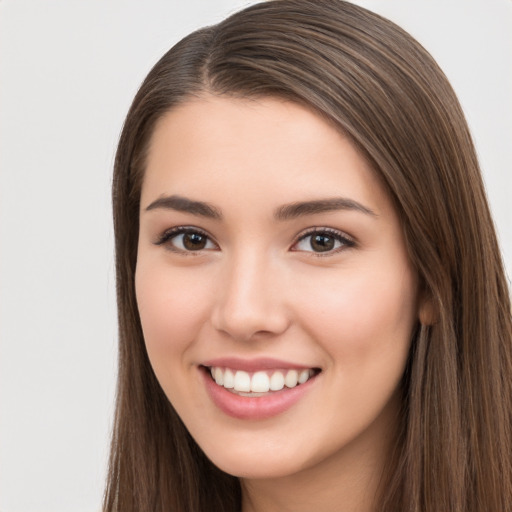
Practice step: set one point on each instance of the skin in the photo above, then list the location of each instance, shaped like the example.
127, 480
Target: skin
258, 289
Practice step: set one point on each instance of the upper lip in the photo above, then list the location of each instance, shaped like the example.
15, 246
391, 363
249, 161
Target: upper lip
253, 365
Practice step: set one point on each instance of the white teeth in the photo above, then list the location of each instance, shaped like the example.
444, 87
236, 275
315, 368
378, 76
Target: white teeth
277, 381
291, 378
229, 379
218, 375
242, 381
303, 376
259, 382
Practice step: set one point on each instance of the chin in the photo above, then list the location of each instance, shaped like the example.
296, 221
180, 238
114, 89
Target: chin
262, 461
258, 468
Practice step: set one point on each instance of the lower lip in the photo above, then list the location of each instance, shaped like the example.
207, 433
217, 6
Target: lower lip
254, 408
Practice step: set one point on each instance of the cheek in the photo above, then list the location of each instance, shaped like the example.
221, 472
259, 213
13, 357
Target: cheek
362, 315
171, 308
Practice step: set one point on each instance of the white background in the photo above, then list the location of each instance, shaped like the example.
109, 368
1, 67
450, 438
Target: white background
68, 72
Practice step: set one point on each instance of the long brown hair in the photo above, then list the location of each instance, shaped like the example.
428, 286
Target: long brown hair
384, 91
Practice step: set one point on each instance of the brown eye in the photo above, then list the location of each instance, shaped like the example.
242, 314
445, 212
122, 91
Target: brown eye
186, 239
323, 240
322, 243
194, 241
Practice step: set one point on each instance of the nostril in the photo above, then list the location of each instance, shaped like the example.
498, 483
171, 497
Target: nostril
252, 325
250, 304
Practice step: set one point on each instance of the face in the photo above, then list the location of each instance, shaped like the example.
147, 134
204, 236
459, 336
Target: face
275, 293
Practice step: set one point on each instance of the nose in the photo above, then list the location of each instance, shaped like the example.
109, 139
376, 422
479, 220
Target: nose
251, 301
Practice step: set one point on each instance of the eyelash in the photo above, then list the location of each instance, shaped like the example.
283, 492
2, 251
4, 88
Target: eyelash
167, 236
344, 240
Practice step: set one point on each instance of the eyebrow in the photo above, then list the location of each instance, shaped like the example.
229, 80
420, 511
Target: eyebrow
182, 204
299, 209
283, 213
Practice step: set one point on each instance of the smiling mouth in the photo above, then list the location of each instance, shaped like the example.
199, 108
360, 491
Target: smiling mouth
260, 383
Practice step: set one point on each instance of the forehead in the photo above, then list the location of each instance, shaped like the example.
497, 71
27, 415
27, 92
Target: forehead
221, 147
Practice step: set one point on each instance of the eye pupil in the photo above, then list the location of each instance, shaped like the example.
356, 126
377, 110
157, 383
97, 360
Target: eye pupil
322, 243
194, 241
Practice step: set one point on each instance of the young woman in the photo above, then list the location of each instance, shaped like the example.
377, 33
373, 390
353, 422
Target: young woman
313, 311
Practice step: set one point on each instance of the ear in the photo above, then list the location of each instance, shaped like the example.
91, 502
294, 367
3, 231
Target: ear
426, 310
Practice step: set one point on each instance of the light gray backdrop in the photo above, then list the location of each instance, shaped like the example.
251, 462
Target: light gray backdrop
68, 71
